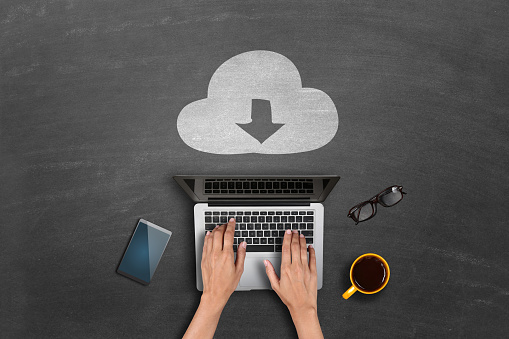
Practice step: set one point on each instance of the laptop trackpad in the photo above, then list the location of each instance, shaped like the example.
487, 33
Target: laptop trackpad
254, 275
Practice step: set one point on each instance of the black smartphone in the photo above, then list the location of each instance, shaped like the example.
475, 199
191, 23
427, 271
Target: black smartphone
144, 251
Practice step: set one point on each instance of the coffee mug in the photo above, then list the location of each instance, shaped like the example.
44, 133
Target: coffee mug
369, 274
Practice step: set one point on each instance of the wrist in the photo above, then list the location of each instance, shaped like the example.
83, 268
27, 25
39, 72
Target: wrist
303, 313
211, 305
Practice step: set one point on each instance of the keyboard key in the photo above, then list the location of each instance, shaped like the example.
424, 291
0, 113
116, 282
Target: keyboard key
215, 213
245, 234
208, 219
277, 218
263, 241
272, 226
279, 212
309, 240
263, 213
308, 218
242, 226
250, 226
256, 240
298, 218
237, 234
272, 213
259, 234
247, 213
208, 213
295, 226
240, 240
252, 234
266, 234
260, 248
224, 213
286, 212
258, 226
310, 226
307, 233
291, 219
268, 218
265, 226
288, 226
308, 185
215, 219
210, 227
234, 248
281, 234
275, 234
215, 185
224, 220
279, 248
302, 226
310, 213
295, 212
248, 240
285, 219
255, 213
240, 213
271, 240
279, 241
279, 226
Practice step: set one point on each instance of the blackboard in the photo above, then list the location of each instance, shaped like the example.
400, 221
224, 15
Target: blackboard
89, 100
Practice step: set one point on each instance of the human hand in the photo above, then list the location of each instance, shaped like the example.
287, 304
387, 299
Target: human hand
220, 272
297, 286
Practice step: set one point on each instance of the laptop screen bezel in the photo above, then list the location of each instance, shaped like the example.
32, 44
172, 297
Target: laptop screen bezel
302, 198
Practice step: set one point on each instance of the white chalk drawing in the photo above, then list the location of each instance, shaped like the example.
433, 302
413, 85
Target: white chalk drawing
256, 104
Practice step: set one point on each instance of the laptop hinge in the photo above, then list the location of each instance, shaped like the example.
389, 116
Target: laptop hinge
238, 202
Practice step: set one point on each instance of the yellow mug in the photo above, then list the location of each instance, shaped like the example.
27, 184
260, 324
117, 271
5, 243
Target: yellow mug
356, 287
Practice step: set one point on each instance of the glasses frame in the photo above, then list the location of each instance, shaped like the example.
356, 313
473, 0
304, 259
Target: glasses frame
374, 201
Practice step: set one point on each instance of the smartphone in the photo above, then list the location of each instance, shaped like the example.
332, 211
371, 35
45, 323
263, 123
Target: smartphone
144, 252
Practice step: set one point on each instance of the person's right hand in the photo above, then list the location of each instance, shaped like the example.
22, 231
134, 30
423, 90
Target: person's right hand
297, 286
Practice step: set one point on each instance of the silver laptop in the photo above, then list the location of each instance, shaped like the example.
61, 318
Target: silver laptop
264, 207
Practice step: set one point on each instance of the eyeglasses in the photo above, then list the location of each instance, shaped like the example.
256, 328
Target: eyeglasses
367, 210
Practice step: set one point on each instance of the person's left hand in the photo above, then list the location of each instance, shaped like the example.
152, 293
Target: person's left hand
220, 272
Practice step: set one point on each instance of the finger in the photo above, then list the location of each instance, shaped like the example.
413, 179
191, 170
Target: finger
271, 273
205, 242
208, 240
295, 247
303, 250
217, 242
241, 256
228, 235
312, 260
285, 252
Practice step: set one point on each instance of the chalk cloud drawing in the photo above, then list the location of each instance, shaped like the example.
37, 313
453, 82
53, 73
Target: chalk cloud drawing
304, 119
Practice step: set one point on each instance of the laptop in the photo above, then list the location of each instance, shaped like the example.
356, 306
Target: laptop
264, 207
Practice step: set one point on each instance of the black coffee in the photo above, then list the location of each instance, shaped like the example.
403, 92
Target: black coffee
369, 274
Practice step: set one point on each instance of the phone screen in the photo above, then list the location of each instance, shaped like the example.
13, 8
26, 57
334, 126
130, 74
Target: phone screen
144, 252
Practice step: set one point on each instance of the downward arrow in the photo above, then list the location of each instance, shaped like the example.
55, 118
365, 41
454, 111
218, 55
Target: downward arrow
261, 126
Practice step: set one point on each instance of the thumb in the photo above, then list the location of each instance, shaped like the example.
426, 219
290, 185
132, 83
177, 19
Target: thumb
271, 273
241, 256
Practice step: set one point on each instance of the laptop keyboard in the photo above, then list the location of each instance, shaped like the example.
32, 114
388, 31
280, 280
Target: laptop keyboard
263, 230
258, 186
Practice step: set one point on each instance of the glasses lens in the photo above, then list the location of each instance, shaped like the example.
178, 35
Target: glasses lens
366, 211
391, 196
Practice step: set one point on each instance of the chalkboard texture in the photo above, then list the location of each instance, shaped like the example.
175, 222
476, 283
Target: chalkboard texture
90, 93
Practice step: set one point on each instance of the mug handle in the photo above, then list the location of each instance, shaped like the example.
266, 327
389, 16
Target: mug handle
349, 292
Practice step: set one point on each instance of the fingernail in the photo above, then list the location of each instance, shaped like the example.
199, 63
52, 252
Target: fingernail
295, 231
265, 263
244, 244
302, 235
310, 246
288, 231
232, 220
208, 232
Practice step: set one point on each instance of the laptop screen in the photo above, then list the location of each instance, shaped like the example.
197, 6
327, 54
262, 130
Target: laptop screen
203, 188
